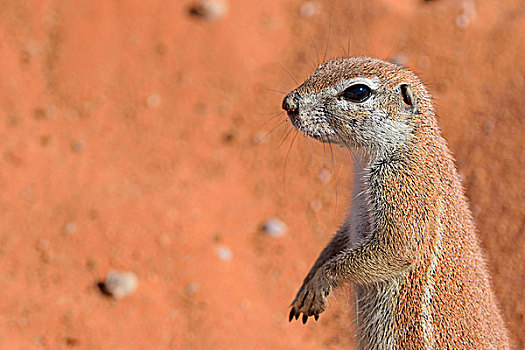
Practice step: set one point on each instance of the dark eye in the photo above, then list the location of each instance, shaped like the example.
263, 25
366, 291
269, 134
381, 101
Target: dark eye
356, 93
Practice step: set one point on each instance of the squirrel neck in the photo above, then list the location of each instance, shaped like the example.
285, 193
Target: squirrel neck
423, 140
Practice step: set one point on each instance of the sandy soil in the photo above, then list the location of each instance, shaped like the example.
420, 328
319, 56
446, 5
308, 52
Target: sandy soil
131, 139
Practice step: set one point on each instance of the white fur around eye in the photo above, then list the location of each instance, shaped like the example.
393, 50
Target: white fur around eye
373, 83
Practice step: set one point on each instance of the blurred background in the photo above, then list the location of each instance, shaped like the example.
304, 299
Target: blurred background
154, 195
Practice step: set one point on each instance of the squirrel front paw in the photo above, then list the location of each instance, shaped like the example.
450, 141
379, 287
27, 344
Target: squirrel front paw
311, 298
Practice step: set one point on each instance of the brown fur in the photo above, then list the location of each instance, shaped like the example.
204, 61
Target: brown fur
409, 243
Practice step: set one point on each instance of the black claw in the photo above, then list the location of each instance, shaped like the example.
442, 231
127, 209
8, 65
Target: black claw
305, 318
292, 313
316, 317
297, 315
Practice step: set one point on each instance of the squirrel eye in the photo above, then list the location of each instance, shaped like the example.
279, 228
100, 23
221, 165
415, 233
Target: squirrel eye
356, 93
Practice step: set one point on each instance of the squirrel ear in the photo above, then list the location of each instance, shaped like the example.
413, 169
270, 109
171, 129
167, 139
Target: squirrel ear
407, 95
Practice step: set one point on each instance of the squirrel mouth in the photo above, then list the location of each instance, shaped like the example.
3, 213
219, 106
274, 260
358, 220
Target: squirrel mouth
320, 132
293, 114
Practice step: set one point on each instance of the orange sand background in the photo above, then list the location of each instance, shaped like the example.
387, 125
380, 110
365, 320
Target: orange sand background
131, 139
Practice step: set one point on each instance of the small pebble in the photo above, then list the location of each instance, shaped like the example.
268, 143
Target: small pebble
45, 140
42, 245
261, 137
274, 227
229, 136
70, 228
201, 109
324, 175
91, 264
13, 120
78, 145
309, 9
164, 240
39, 113
153, 101
161, 49
224, 253
191, 288
119, 284
316, 205
489, 125
467, 15
51, 112
245, 304
209, 10
33, 48
399, 59
70, 341
462, 21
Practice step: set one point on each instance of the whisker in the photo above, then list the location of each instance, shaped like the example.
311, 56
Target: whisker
339, 173
316, 51
311, 60
341, 45
271, 118
333, 170
352, 153
328, 39
342, 139
312, 147
348, 43
277, 91
285, 137
279, 124
286, 158
289, 74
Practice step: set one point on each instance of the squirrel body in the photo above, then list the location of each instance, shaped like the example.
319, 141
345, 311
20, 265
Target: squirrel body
409, 243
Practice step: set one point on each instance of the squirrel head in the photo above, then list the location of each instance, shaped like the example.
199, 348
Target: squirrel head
365, 104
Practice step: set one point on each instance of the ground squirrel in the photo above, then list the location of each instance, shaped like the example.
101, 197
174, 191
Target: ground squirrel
409, 242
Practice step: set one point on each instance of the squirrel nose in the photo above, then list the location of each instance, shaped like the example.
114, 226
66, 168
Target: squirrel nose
291, 104
288, 103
